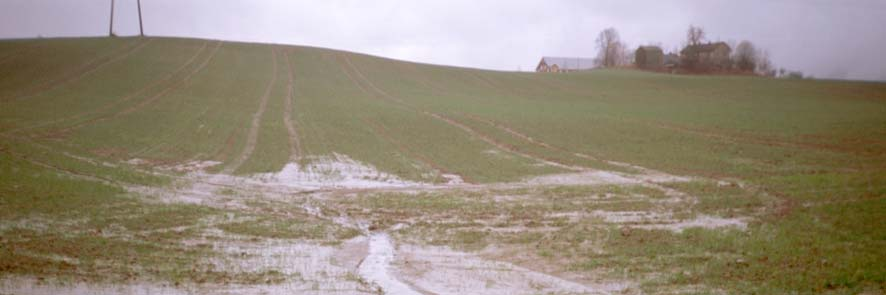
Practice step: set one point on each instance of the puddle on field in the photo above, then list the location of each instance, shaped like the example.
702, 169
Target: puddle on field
336, 171
582, 178
440, 270
305, 267
374, 262
701, 221
376, 267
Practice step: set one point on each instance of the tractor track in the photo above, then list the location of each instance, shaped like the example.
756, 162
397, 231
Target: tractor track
85, 69
252, 136
382, 131
454, 123
114, 103
184, 81
295, 148
146, 101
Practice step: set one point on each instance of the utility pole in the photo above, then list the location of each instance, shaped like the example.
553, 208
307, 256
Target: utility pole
141, 29
111, 27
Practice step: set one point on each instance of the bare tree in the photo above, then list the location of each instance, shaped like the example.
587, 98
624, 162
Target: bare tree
690, 58
610, 50
745, 56
626, 55
695, 35
764, 64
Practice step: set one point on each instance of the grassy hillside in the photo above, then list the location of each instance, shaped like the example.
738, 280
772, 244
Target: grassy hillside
83, 121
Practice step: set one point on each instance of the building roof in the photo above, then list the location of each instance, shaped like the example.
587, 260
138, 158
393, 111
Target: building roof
651, 48
707, 47
569, 63
671, 58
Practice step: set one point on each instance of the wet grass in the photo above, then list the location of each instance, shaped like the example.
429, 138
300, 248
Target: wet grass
56, 224
809, 154
764, 258
304, 229
472, 220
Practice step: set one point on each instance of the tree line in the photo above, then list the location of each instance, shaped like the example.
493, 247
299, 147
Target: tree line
745, 57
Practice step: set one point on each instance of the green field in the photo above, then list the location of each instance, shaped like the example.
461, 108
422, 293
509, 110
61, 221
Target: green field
138, 159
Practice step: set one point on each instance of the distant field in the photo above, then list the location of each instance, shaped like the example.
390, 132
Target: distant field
161, 160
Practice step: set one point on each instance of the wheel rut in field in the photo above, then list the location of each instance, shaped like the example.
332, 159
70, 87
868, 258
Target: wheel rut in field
61, 170
149, 100
183, 82
492, 141
252, 136
381, 132
107, 106
404, 149
454, 123
85, 69
529, 139
295, 148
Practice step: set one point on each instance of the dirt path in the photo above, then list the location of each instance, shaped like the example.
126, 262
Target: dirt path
295, 149
252, 136
114, 103
85, 69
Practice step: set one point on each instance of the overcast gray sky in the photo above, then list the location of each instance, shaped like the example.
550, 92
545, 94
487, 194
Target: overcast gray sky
842, 39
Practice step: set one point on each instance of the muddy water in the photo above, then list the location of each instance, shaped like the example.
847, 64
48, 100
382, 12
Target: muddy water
375, 268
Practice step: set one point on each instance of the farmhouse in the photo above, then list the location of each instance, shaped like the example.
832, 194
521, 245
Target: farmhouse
671, 60
709, 56
649, 57
564, 64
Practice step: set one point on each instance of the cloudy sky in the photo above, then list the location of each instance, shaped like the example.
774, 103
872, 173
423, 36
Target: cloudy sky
842, 39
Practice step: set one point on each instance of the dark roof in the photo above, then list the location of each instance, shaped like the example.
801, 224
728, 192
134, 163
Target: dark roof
671, 58
707, 47
650, 48
569, 63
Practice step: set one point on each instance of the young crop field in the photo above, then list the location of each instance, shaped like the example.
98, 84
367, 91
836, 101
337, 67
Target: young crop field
187, 166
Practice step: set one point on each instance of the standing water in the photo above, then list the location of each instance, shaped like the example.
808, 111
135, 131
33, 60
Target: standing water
375, 267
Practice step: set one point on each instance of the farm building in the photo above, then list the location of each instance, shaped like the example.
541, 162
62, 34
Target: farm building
649, 57
709, 56
671, 60
564, 64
